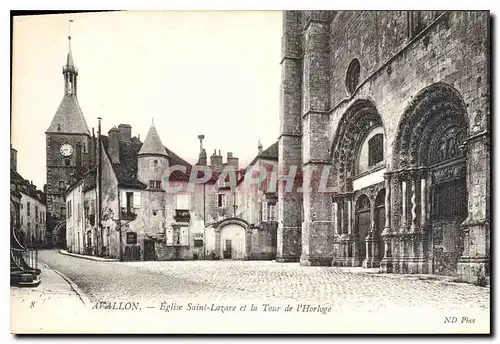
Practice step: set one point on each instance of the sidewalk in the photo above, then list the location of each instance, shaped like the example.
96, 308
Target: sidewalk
83, 256
54, 305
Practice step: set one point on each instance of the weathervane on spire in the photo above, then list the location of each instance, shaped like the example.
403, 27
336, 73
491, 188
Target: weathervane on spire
69, 29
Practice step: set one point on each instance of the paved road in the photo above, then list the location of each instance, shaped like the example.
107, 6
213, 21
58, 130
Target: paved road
263, 281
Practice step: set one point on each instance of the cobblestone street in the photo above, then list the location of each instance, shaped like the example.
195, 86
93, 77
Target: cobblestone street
262, 282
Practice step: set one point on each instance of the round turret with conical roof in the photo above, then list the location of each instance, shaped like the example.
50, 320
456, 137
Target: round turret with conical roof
152, 160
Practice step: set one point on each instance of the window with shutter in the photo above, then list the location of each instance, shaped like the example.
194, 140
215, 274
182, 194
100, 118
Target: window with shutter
272, 212
221, 200
264, 211
170, 237
131, 238
184, 236
181, 202
177, 237
123, 200
137, 199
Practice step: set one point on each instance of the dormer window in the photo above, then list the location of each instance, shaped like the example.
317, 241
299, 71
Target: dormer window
155, 185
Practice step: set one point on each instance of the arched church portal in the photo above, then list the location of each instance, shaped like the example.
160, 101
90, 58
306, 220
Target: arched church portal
429, 182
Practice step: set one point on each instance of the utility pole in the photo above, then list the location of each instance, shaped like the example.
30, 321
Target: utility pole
99, 187
119, 225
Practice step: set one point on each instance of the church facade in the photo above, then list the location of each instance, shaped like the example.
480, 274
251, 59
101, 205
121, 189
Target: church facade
395, 105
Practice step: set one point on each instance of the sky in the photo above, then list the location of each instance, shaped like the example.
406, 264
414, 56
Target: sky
215, 73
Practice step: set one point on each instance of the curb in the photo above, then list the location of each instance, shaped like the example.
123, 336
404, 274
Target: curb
81, 295
66, 253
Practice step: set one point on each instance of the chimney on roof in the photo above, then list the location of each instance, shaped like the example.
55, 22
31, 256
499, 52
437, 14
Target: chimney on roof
259, 147
216, 161
125, 132
114, 145
202, 158
92, 150
13, 158
232, 161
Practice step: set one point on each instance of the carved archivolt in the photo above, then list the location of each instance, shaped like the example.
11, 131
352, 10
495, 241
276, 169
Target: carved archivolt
357, 121
432, 129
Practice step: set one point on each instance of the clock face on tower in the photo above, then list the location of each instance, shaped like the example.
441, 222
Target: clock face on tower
66, 149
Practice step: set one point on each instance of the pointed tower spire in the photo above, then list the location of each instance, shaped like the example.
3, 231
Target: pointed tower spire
69, 70
69, 60
69, 117
260, 147
152, 144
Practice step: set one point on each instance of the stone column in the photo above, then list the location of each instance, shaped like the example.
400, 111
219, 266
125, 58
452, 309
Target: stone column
317, 236
423, 202
289, 141
335, 217
370, 247
335, 230
413, 225
474, 265
343, 246
385, 264
423, 213
403, 206
349, 216
403, 229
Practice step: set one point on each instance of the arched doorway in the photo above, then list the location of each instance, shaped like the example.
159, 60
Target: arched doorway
233, 241
357, 154
60, 231
429, 182
362, 224
379, 225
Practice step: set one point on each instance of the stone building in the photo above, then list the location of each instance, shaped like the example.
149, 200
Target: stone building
28, 208
68, 143
119, 208
123, 209
396, 105
106, 194
242, 220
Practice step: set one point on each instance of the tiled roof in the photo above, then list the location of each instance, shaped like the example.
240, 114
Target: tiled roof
69, 118
271, 153
152, 143
25, 187
126, 170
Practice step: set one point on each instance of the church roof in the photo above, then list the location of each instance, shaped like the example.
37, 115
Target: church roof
69, 118
271, 153
152, 144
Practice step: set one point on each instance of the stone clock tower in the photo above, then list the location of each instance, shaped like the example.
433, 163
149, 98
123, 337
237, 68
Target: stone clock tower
67, 149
